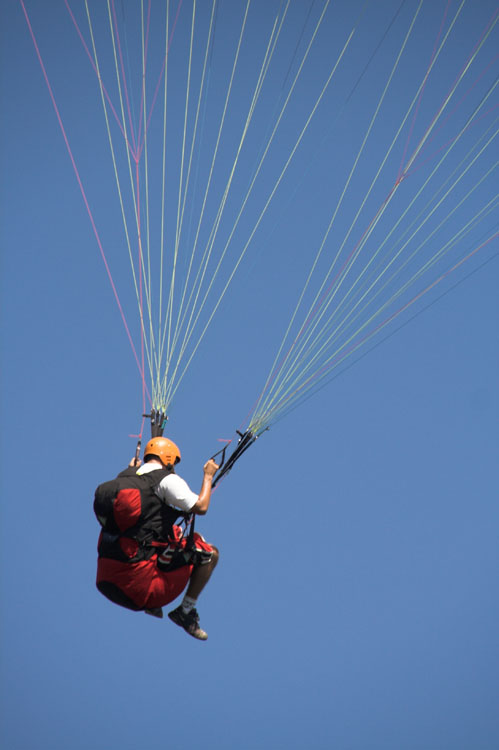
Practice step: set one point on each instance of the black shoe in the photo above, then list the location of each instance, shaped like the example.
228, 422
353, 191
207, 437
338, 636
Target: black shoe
189, 621
155, 612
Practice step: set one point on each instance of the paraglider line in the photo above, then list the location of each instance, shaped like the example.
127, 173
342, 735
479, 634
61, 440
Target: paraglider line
160, 78
458, 78
329, 366
330, 286
130, 145
245, 440
144, 64
392, 333
416, 111
80, 184
417, 165
141, 293
320, 299
123, 75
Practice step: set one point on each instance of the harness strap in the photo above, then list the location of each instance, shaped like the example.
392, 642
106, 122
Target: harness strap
156, 544
158, 421
245, 440
162, 545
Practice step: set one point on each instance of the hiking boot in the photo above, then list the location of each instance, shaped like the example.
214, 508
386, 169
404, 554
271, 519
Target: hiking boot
189, 621
154, 611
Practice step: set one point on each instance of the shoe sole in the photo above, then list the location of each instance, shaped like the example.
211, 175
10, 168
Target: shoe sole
199, 635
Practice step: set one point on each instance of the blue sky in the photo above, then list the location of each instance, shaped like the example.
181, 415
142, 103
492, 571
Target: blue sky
355, 605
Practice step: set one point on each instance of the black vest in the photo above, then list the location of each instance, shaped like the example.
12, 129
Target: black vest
132, 516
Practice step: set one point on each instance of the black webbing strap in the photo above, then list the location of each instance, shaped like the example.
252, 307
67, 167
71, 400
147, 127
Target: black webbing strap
189, 521
190, 536
223, 452
158, 422
137, 452
245, 440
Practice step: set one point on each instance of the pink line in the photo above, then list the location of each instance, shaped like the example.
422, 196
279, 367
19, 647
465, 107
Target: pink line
156, 92
81, 186
124, 80
420, 165
397, 182
144, 66
320, 302
418, 104
460, 73
141, 303
446, 119
401, 176
129, 145
325, 368
141, 430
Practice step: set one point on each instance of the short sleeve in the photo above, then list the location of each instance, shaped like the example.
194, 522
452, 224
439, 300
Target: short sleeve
176, 492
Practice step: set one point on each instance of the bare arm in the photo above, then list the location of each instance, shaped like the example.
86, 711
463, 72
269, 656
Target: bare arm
202, 505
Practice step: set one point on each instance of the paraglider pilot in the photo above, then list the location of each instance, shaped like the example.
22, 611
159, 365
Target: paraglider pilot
145, 557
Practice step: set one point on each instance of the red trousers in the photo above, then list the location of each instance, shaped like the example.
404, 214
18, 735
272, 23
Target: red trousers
141, 585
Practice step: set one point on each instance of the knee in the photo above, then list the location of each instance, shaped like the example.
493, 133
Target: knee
215, 554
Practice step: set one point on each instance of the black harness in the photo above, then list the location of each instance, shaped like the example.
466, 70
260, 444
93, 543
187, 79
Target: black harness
135, 521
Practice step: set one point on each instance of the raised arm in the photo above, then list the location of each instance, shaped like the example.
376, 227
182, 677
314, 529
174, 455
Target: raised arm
202, 505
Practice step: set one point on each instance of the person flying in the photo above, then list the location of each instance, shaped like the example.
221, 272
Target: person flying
145, 559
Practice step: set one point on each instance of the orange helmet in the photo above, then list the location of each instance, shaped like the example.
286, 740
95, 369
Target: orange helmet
164, 449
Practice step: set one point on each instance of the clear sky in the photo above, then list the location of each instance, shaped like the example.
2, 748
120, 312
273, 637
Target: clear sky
355, 605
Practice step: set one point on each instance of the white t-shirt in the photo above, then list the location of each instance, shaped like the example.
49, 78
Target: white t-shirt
173, 490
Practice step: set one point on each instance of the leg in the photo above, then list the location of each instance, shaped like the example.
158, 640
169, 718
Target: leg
186, 614
201, 575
